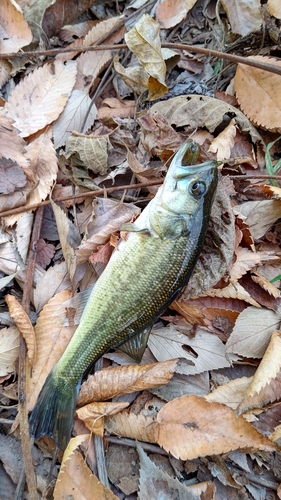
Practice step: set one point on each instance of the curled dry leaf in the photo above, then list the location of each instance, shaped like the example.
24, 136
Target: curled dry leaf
232, 291
51, 338
258, 93
24, 325
112, 382
144, 41
9, 349
252, 332
40, 97
94, 413
190, 427
266, 383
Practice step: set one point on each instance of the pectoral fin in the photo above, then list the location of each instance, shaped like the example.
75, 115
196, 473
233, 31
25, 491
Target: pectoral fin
130, 227
136, 345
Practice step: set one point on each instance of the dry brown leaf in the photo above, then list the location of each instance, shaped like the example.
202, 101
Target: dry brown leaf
171, 12
76, 480
224, 142
246, 260
157, 483
244, 16
144, 41
52, 339
158, 136
273, 7
73, 116
71, 32
114, 107
24, 325
259, 215
98, 31
89, 66
14, 30
69, 238
232, 291
130, 425
89, 151
258, 93
9, 349
94, 413
265, 284
266, 384
197, 111
54, 280
11, 144
5, 72
112, 382
252, 332
109, 216
41, 96
203, 352
190, 427
231, 393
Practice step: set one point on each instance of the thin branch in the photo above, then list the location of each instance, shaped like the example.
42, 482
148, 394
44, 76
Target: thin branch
179, 46
87, 194
98, 192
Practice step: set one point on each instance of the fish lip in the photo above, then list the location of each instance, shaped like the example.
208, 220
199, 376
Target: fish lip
179, 171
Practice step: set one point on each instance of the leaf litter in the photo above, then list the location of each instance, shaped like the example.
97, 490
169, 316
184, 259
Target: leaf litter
204, 403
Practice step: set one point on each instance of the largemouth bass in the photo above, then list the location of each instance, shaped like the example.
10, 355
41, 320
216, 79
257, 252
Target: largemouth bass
144, 275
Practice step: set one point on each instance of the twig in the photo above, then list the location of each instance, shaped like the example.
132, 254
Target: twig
87, 194
23, 413
98, 192
151, 448
179, 46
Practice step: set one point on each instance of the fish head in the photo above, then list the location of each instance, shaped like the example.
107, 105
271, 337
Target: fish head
188, 186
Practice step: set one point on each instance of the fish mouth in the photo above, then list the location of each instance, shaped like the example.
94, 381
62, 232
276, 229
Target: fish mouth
184, 163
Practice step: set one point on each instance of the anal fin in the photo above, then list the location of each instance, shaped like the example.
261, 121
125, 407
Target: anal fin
136, 345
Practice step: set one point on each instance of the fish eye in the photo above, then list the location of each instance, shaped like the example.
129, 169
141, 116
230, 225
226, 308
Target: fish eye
197, 189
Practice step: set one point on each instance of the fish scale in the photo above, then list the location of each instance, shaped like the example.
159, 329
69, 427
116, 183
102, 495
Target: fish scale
142, 278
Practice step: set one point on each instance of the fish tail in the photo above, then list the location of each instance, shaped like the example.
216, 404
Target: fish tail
54, 411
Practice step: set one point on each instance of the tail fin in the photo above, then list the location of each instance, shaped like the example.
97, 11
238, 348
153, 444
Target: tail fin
54, 411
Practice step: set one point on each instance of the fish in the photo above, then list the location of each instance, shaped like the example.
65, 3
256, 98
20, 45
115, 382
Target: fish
144, 275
